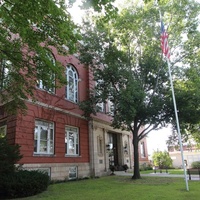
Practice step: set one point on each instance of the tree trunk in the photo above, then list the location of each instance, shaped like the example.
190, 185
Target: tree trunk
136, 171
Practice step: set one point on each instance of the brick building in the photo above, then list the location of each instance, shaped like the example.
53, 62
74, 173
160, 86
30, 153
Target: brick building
55, 137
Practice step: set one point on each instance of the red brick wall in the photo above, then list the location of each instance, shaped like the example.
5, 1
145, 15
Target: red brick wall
25, 136
142, 159
58, 99
61, 118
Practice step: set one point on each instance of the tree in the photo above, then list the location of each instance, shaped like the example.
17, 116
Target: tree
162, 159
188, 90
28, 30
127, 64
188, 99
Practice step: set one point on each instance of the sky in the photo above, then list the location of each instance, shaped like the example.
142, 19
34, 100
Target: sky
76, 12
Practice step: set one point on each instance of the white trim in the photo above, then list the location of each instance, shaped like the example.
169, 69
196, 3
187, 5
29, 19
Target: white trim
54, 108
49, 128
76, 142
74, 77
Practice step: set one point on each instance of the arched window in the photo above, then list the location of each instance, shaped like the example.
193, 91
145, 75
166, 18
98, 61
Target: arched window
72, 84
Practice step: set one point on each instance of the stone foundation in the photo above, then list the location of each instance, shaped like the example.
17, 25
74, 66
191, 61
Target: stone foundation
62, 171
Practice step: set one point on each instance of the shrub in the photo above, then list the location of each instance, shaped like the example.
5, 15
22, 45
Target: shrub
23, 183
162, 159
149, 167
9, 155
112, 169
125, 167
196, 165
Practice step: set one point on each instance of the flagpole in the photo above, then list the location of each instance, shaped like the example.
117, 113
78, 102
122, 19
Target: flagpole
165, 49
177, 123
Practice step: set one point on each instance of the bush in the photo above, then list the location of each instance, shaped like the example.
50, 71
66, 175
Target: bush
9, 155
196, 165
125, 167
23, 183
162, 159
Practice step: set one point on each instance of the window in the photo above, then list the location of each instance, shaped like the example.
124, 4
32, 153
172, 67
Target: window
71, 141
46, 80
72, 84
43, 137
142, 149
73, 173
100, 105
3, 131
5, 67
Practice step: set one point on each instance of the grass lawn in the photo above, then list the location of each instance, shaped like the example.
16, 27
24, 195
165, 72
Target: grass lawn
122, 188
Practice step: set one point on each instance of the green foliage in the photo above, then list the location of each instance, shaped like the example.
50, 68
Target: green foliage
9, 155
14, 183
196, 165
24, 26
106, 5
145, 167
23, 183
28, 29
125, 56
162, 159
135, 86
188, 101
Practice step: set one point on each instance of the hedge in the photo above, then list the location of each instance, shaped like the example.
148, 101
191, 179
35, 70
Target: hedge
23, 183
196, 165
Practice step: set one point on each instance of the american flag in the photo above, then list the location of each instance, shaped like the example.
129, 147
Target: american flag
164, 41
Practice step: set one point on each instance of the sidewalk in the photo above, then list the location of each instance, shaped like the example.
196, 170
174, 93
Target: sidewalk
158, 174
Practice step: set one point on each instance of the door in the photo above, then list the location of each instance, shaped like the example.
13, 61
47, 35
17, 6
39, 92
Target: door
113, 154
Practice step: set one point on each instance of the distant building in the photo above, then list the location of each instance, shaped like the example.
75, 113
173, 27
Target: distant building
190, 152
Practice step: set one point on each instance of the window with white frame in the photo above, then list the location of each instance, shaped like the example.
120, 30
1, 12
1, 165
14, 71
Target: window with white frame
71, 141
5, 68
43, 137
100, 105
43, 83
72, 84
3, 131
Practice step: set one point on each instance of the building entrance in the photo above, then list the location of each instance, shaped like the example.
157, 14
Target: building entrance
113, 149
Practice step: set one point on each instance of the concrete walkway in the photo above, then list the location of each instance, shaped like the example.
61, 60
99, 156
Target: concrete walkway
158, 174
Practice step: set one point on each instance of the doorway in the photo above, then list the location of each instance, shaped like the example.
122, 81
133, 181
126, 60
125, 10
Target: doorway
113, 152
